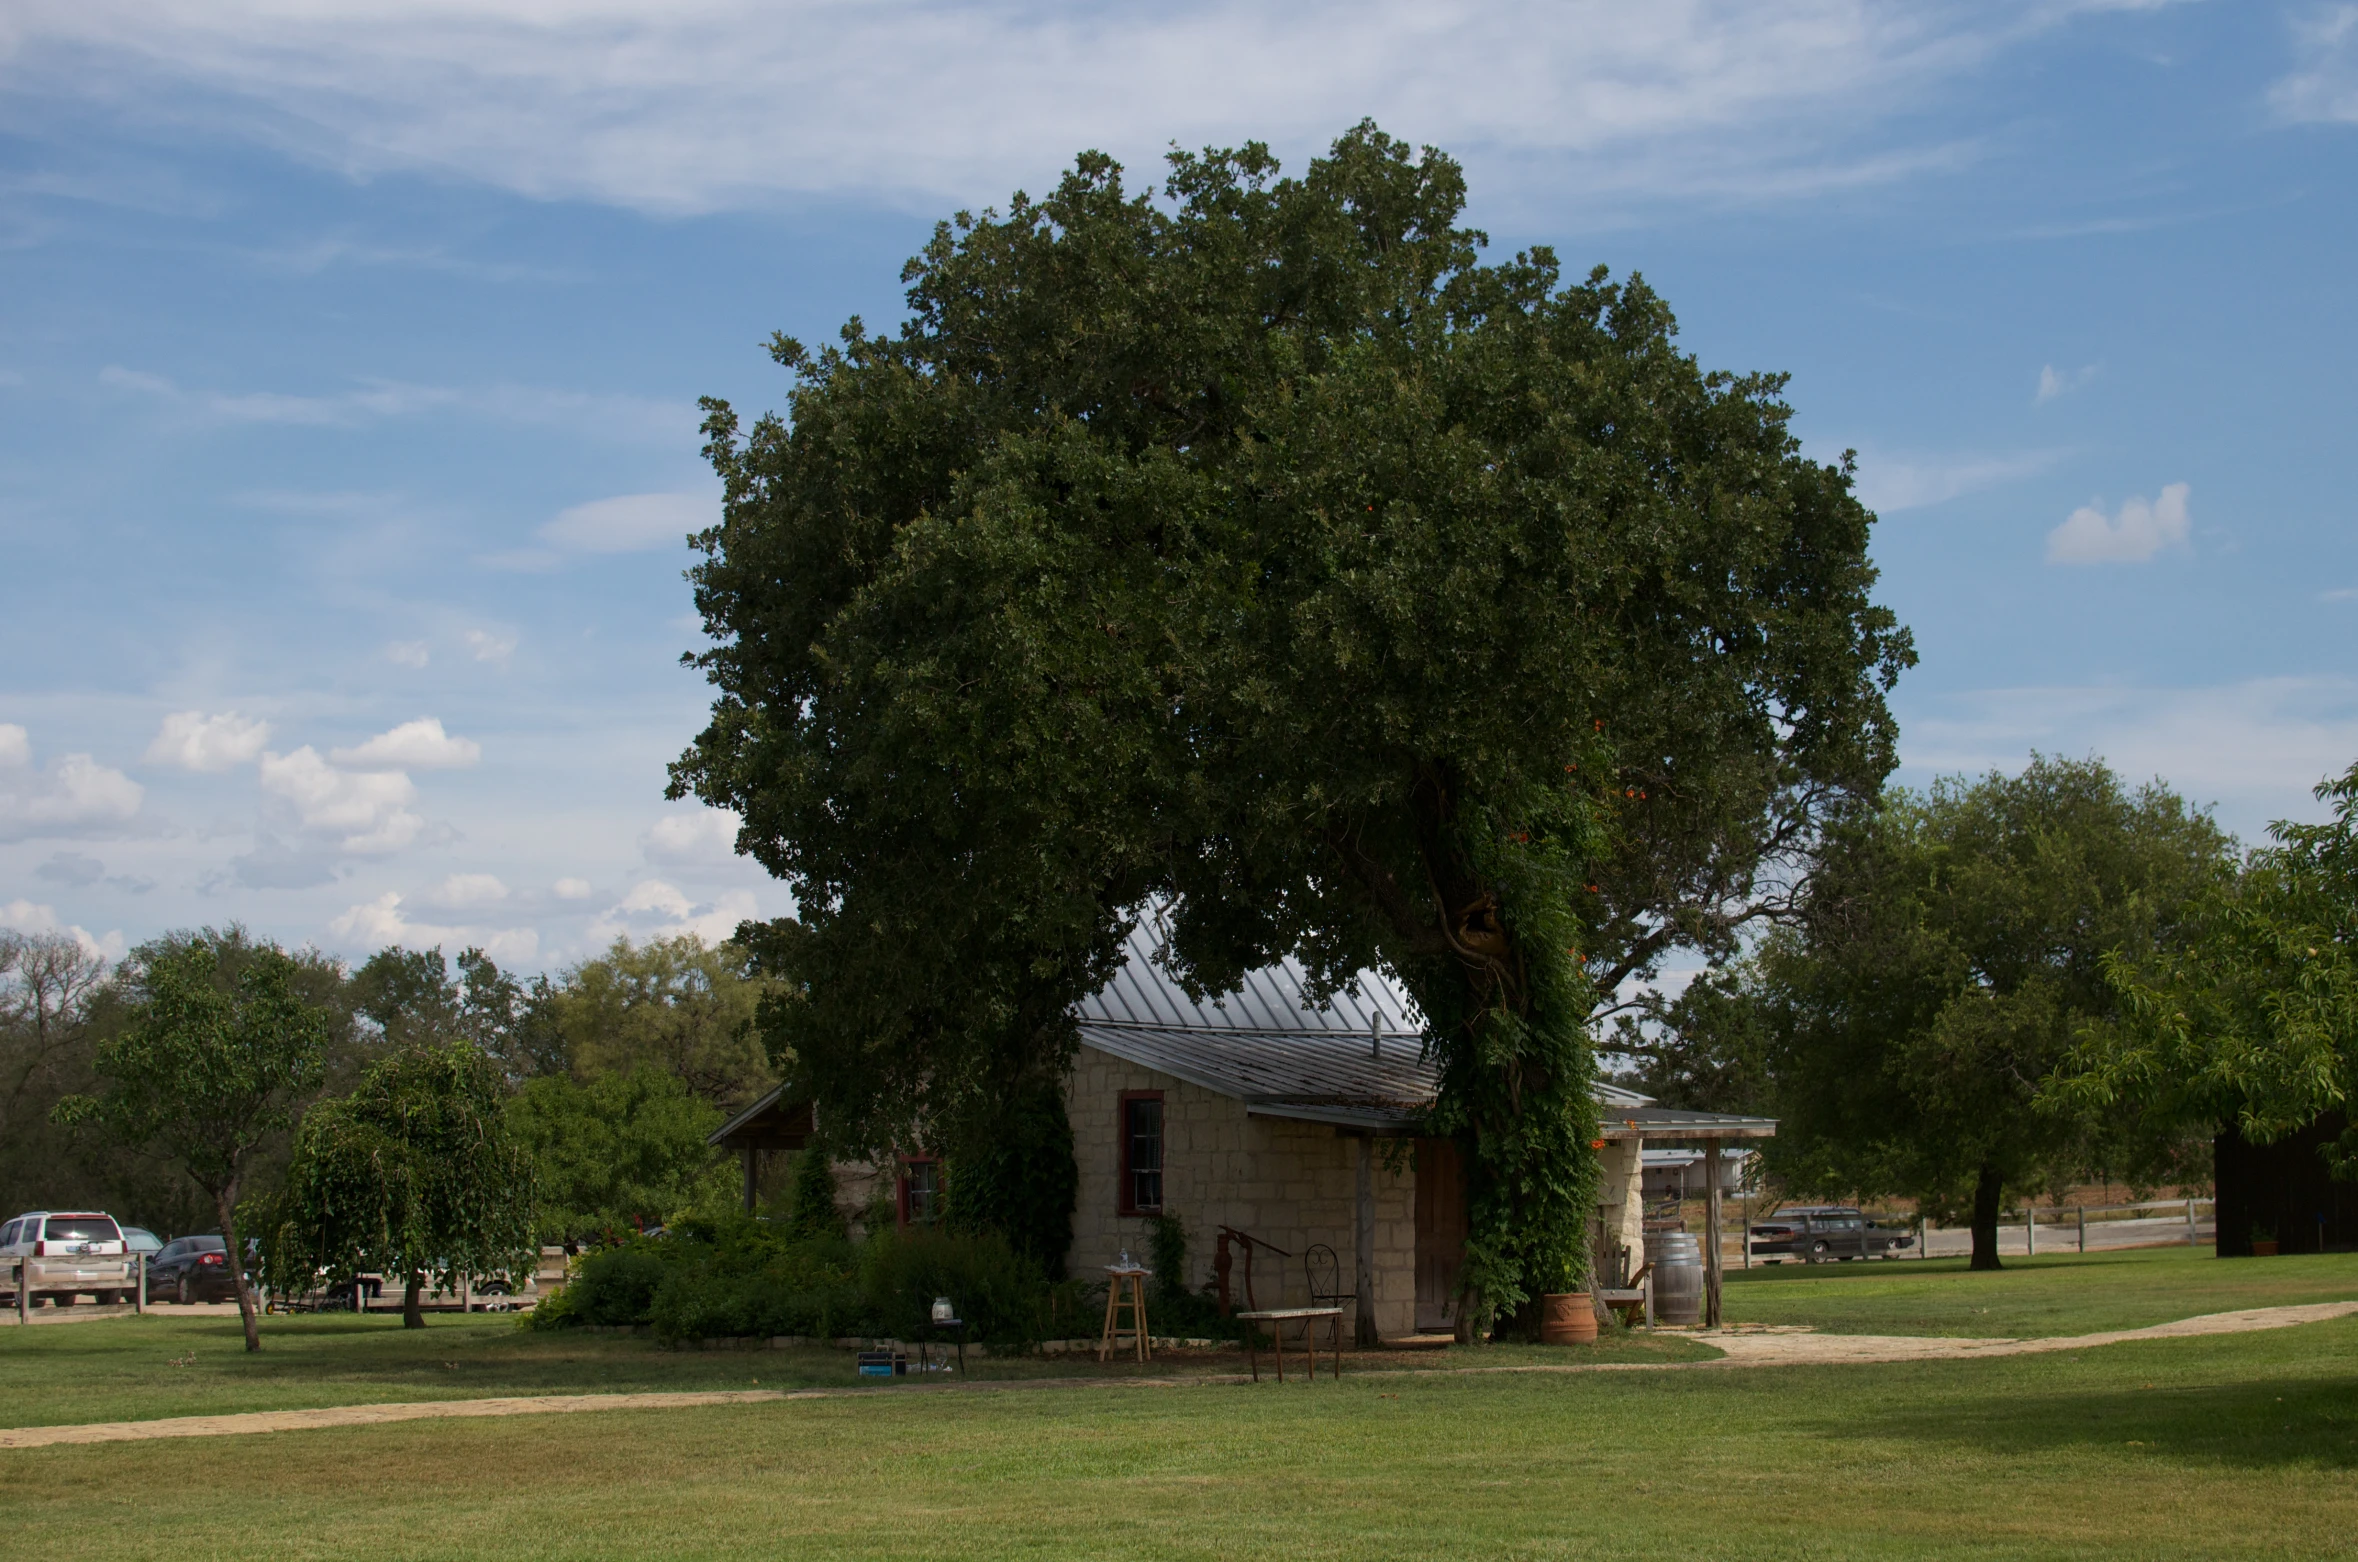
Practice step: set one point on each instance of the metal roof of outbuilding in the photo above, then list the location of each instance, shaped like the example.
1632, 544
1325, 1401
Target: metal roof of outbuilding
1357, 1060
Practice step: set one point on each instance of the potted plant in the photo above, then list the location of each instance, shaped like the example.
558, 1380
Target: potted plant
2263, 1242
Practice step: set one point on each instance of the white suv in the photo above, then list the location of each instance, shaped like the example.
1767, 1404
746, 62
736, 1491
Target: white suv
63, 1255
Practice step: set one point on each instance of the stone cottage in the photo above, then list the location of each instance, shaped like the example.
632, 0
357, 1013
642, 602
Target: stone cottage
1282, 1125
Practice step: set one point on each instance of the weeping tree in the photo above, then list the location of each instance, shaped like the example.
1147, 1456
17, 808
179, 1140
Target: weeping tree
1258, 552
218, 1046
414, 1174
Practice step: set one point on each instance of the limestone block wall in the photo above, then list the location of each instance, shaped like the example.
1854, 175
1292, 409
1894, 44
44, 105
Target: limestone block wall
1621, 1200
1286, 1182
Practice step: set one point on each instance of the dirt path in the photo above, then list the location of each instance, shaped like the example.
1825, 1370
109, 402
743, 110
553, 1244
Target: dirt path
1786, 1347
1775, 1347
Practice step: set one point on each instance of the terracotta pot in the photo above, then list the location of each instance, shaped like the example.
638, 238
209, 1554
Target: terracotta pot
2262, 1249
1567, 1318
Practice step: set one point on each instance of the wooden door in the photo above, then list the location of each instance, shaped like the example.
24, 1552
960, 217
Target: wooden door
1440, 1234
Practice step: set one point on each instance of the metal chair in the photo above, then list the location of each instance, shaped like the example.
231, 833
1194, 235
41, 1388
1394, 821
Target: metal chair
1325, 1273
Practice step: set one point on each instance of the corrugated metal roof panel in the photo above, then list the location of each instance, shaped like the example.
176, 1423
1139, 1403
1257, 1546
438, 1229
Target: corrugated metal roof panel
1358, 1059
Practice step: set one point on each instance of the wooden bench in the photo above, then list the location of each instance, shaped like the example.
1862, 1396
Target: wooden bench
1277, 1318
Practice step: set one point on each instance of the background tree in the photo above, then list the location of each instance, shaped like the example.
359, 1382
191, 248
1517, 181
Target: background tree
2250, 1019
617, 1153
413, 998
1955, 944
676, 1004
218, 1047
1260, 551
413, 1174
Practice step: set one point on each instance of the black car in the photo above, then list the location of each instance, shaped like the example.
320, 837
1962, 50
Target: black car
1815, 1233
191, 1269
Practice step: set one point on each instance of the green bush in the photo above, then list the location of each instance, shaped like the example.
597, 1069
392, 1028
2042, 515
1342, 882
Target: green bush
1001, 1294
618, 1285
725, 1277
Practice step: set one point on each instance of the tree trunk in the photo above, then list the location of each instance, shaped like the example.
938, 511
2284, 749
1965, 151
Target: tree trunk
413, 1312
225, 1205
1986, 1194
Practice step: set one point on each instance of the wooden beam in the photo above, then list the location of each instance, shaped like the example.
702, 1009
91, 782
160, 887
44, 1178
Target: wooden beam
1711, 1233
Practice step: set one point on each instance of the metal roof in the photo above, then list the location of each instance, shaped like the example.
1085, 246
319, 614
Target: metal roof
1356, 1061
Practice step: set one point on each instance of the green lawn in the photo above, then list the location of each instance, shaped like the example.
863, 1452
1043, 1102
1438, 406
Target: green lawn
2204, 1447
172, 1364
2217, 1447
2066, 1294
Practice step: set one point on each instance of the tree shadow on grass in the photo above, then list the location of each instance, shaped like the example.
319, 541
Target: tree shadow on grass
2270, 1423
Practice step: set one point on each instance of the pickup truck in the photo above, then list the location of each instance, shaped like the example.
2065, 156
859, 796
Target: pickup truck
1817, 1233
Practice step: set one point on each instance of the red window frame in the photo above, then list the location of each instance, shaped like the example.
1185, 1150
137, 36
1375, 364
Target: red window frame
1126, 1201
904, 1193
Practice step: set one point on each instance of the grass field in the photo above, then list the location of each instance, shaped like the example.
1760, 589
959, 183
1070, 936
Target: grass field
2220, 1446
168, 1364
2031, 1297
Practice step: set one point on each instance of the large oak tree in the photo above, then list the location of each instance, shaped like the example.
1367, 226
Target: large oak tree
1259, 552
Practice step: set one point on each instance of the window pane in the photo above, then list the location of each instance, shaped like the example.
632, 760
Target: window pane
1146, 1154
924, 1192
81, 1228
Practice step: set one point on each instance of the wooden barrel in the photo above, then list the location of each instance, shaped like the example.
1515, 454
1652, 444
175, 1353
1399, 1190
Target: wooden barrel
1567, 1318
1677, 1276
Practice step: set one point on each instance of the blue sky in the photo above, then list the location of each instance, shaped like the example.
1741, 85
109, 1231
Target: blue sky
349, 357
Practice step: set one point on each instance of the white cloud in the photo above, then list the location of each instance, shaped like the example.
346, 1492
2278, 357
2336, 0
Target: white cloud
631, 417
2136, 534
417, 745
2323, 88
2054, 382
655, 909
461, 890
365, 811
490, 645
376, 923
708, 104
408, 653
23, 916
709, 835
75, 796
192, 740
630, 522
1888, 484
2255, 748
571, 889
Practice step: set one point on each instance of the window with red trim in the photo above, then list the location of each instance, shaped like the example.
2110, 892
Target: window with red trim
1142, 1152
920, 1189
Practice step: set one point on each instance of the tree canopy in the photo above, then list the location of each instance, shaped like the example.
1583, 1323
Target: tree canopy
1260, 552
677, 1004
1955, 945
2253, 1018
618, 1152
219, 1047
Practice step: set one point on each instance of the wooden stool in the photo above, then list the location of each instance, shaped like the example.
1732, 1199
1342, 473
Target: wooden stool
1126, 1291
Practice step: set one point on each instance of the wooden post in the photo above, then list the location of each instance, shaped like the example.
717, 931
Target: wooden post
752, 1175
2030, 1230
139, 1297
24, 1289
1711, 1233
2082, 1211
2190, 1227
1363, 1327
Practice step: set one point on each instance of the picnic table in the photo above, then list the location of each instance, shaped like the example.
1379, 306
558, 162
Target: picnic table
1278, 1318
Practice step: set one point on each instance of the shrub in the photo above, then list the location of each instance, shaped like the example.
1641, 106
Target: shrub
1001, 1294
616, 1286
